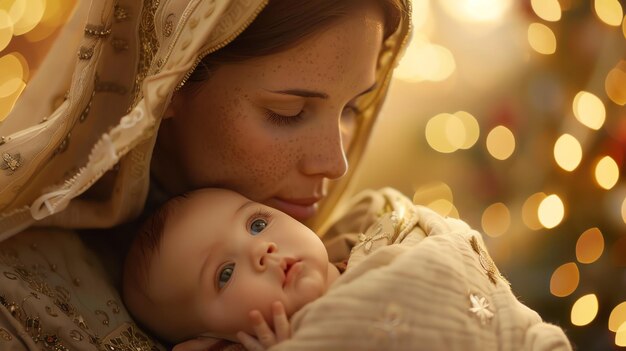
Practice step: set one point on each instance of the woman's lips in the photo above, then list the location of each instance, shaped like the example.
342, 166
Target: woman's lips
300, 209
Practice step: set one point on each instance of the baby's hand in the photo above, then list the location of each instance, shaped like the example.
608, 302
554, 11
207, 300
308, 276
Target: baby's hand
265, 337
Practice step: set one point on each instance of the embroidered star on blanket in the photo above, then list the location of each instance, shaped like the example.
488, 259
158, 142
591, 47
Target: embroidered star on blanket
479, 308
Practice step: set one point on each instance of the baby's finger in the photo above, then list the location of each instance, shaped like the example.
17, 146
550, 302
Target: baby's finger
281, 323
262, 330
249, 342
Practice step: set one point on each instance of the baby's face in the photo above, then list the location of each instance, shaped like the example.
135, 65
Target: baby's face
228, 255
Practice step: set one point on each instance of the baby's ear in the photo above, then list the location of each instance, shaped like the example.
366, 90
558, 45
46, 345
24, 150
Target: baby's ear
201, 344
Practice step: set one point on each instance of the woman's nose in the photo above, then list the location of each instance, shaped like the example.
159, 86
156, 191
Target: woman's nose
325, 154
262, 253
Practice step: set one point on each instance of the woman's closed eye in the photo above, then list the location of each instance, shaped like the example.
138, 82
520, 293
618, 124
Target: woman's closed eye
283, 120
224, 273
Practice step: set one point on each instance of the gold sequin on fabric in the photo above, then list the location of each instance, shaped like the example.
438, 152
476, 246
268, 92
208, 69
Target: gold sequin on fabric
119, 44
97, 31
148, 43
5, 335
120, 13
10, 163
85, 53
486, 262
127, 338
168, 27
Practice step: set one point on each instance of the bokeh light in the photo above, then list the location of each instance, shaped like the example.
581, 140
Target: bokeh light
33, 12
589, 110
551, 211
541, 38
615, 83
624, 27
424, 61
607, 172
624, 210
477, 11
567, 152
617, 317
11, 74
471, 130
438, 197
496, 219
620, 336
590, 246
564, 280
584, 310
609, 11
447, 132
500, 142
549, 10
6, 29
530, 211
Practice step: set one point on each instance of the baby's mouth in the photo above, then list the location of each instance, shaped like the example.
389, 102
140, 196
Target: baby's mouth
291, 267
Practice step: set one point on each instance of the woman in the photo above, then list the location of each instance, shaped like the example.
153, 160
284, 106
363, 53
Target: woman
266, 99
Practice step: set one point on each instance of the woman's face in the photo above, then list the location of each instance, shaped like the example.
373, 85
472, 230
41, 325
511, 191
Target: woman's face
274, 128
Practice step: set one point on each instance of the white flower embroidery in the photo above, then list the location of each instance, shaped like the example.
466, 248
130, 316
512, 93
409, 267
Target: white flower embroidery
479, 308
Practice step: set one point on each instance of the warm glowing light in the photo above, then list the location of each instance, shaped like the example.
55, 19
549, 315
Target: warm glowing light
589, 246
420, 12
567, 152
439, 129
424, 61
530, 211
428, 193
609, 11
496, 219
564, 280
6, 29
589, 110
33, 12
54, 16
10, 75
7, 103
624, 26
551, 211
438, 197
541, 38
607, 172
615, 83
471, 130
444, 208
585, 310
620, 336
14, 8
617, 317
500, 142
486, 11
549, 10
624, 210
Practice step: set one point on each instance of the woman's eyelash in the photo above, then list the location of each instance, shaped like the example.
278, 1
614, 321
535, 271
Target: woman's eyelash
281, 120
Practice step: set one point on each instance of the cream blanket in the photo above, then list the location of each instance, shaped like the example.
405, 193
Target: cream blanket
434, 288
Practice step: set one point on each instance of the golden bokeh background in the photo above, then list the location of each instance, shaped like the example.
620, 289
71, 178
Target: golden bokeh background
507, 114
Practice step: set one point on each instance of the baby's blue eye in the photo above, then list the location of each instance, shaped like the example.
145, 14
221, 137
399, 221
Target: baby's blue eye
257, 226
224, 275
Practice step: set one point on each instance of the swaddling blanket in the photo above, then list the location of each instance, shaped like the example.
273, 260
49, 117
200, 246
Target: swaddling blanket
418, 281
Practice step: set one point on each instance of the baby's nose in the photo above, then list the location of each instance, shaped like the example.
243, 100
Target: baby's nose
265, 254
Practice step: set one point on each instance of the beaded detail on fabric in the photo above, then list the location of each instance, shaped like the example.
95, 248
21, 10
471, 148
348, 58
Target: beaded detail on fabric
97, 31
10, 163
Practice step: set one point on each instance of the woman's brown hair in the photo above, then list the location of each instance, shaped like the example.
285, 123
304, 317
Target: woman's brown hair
284, 23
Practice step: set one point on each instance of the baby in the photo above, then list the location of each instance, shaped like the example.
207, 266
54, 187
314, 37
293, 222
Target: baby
213, 263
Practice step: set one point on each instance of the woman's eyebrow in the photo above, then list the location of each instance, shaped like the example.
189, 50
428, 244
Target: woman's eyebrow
315, 94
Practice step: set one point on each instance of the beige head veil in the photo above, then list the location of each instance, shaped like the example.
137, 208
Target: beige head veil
91, 113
